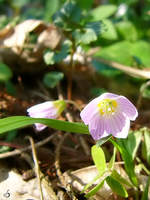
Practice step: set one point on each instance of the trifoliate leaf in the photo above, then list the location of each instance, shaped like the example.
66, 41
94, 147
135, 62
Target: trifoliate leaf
70, 12
51, 79
89, 33
49, 58
52, 57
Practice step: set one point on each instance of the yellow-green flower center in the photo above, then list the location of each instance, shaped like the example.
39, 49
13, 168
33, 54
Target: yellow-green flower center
60, 105
107, 107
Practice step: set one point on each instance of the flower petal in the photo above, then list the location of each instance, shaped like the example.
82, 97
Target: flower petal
40, 127
87, 113
43, 110
127, 107
125, 130
97, 127
108, 95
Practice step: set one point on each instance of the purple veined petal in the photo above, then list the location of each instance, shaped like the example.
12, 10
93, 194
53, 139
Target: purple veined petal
127, 107
87, 113
40, 127
115, 123
120, 125
97, 127
43, 110
40, 107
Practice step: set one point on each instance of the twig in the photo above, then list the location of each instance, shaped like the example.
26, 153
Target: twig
57, 160
20, 151
59, 91
73, 103
127, 69
84, 145
37, 168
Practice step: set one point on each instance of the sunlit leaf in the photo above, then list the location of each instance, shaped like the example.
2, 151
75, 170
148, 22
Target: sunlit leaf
126, 27
127, 158
116, 187
132, 142
89, 33
50, 8
120, 178
52, 57
49, 57
12, 123
110, 32
102, 12
99, 158
141, 50
95, 189
112, 160
119, 52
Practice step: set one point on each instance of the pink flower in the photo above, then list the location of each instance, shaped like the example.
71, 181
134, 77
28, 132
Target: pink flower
48, 109
109, 114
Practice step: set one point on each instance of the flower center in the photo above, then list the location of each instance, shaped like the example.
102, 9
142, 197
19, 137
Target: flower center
107, 107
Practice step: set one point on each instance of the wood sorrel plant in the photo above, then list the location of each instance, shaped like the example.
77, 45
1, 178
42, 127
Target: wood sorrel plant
107, 115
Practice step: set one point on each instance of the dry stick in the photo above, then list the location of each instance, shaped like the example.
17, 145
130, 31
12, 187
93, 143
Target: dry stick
57, 161
20, 151
127, 69
36, 167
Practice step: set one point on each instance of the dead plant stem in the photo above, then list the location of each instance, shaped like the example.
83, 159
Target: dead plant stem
20, 151
37, 168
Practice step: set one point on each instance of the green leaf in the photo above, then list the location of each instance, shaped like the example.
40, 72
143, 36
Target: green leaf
110, 32
49, 58
91, 183
147, 144
141, 50
5, 72
116, 187
50, 8
127, 158
103, 140
89, 33
103, 12
120, 179
69, 13
51, 79
95, 189
12, 123
10, 88
126, 27
52, 57
99, 159
64, 51
112, 160
132, 142
118, 52
85, 4
145, 193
